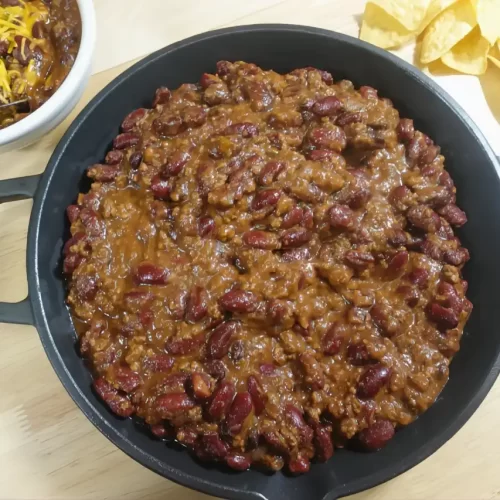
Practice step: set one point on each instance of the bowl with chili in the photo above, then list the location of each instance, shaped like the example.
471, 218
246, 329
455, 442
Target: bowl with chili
45, 59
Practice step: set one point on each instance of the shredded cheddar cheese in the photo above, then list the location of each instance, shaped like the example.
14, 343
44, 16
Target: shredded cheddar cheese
16, 24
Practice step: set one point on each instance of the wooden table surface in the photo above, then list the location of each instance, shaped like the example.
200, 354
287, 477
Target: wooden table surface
48, 449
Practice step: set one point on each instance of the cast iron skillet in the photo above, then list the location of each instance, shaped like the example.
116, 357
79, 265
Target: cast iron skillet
283, 48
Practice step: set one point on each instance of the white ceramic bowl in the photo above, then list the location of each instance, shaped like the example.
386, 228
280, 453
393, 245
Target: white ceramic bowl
58, 107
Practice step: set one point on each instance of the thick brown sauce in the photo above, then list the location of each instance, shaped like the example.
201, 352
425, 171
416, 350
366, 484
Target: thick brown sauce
283, 238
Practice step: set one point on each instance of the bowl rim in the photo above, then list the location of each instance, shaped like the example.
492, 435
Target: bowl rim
97, 417
63, 95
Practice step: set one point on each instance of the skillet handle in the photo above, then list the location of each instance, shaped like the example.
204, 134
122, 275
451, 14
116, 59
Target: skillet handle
21, 188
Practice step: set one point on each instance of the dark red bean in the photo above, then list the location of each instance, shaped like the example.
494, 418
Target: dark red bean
446, 180
296, 254
452, 300
454, 215
456, 257
85, 287
4, 48
324, 155
91, 222
327, 106
295, 237
71, 262
401, 198
103, 173
429, 155
245, 130
385, 320
161, 188
216, 369
405, 130
261, 239
432, 250
368, 92
266, 198
206, 226
295, 418
410, 294
135, 160
341, 217
162, 96
22, 51
267, 369
159, 363
328, 138
38, 29
73, 211
211, 447
159, 431
332, 340
114, 157
237, 350
175, 164
270, 172
183, 346
171, 404
358, 259
423, 217
358, 355
353, 117
397, 264
446, 318
168, 125
120, 405
194, 116
292, 218
259, 397
207, 79
148, 273
133, 118
372, 380
323, 442
239, 301
299, 465
238, 462
126, 140
397, 238
221, 400
377, 435
240, 408
220, 339
197, 304
126, 379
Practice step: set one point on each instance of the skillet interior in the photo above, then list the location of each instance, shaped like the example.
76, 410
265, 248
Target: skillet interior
282, 48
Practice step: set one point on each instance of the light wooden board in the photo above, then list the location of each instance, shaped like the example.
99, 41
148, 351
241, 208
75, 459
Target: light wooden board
48, 449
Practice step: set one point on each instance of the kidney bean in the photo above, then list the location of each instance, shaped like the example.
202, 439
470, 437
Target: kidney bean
126, 379
237, 350
197, 305
292, 218
341, 217
168, 405
358, 354
220, 338
410, 294
299, 465
91, 201
429, 155
211, 447
445, 231
216, 369
175, 164
162, 96
414, 148
148, 273
377, 435
159, 363
259, 397
452, 214
296, 254
358, 259
405, 130
38, 30
267, 369
206, 226
353, 117
259, 95
200, 385
446, 318
261, 239
328, 138
85, 287
266, 198
159, 431
183, 346
126, 140
4, 48
368, 92
423, 217
278, 310
332, 340
401, 198
73, 211
397, 238
120, 405
446, 180
239, 301
432, 250
270, 172
91, 222
457, 257
71, 262
194, 116
385, 320
207, 79
397, 264
372, 380
327, 106
103, 173
114, 157
320, 155
22, 51
238, 462
452, 300
323, 442
221, 400
295, 237
160, 188
168, 125
314, 375
245, 130
240, 408
295, 418
135, 160
133, 118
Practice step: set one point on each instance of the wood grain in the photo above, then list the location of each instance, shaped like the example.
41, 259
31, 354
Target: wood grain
48, 449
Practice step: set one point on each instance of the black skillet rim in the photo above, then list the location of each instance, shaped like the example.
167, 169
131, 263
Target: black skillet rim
93, 413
